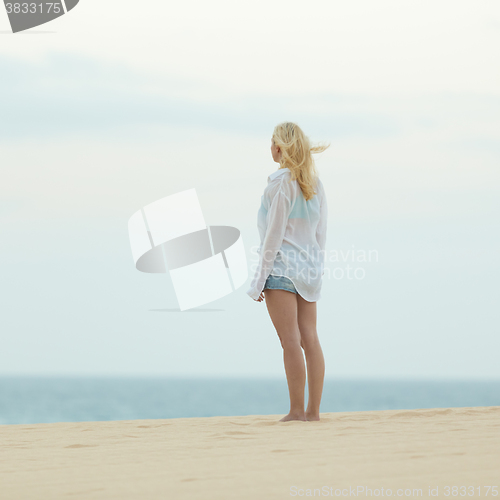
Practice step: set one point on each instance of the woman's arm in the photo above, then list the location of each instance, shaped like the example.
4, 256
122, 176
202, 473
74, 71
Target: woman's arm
322, 225
277, 218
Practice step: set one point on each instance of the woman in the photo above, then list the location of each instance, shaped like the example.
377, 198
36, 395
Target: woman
292, 225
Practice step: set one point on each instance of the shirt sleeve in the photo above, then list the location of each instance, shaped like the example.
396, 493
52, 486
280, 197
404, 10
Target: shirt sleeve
277, 218
321, 229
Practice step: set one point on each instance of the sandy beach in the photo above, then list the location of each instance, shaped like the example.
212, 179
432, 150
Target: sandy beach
403, 453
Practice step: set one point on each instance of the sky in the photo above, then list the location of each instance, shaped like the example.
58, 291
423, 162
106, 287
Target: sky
111, 107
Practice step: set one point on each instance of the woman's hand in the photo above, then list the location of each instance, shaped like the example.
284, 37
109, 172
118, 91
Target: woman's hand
261, 297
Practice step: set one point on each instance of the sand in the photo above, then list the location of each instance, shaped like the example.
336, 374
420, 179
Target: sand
257, 457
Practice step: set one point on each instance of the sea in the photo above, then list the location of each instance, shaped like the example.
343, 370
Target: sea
33, 400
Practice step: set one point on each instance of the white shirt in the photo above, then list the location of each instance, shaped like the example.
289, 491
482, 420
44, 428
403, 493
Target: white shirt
293, 235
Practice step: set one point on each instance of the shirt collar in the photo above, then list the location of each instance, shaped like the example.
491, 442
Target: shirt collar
280, 171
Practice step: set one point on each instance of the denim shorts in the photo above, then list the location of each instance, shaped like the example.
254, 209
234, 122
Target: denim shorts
280, 283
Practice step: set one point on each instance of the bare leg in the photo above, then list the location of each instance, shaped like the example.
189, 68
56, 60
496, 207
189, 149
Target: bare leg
306, 317
282, 307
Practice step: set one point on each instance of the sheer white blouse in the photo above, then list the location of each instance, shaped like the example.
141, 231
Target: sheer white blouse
293, 236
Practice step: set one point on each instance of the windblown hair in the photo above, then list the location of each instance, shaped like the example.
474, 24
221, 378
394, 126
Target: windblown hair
296, 154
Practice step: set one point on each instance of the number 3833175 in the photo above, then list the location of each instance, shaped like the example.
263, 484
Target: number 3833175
33, 8
470, 491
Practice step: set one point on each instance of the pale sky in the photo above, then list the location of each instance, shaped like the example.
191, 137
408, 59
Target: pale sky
118, 104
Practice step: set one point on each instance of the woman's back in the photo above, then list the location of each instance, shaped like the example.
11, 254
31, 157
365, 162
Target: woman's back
299, 250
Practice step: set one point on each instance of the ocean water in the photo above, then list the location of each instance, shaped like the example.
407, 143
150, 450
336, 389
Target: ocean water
31, 400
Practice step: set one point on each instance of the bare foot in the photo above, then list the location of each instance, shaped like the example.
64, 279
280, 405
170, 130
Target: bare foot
312, 417
293, 416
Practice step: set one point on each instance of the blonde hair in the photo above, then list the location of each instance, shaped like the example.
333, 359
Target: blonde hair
296, 154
